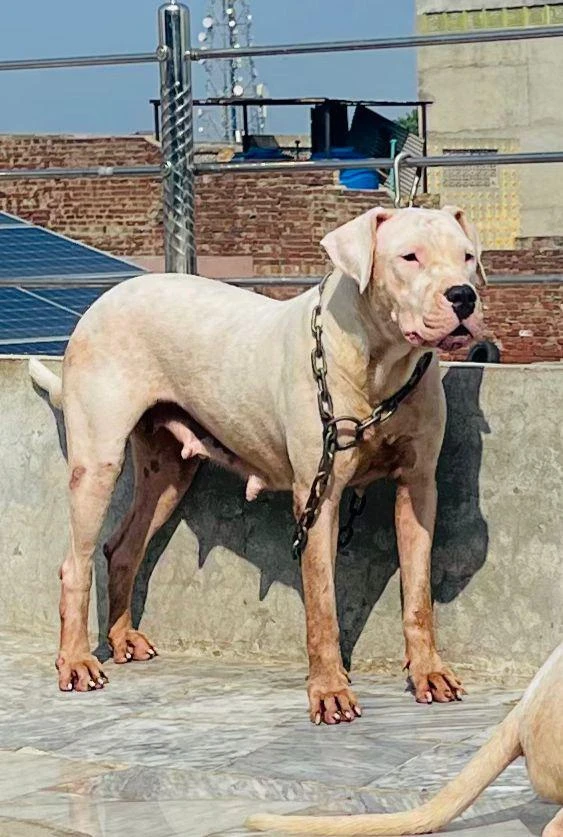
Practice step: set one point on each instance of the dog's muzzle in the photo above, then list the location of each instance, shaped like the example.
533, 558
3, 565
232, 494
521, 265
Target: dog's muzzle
463, 299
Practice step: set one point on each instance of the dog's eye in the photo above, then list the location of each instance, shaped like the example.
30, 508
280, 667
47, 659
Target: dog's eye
410, 257
469, 257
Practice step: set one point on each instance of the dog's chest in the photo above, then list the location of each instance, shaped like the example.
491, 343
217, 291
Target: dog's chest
384, 455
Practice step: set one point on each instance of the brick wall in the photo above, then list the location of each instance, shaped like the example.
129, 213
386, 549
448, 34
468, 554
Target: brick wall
121, 216
525, 320
277, 219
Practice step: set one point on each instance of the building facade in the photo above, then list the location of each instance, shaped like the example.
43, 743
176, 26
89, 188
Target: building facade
499, 97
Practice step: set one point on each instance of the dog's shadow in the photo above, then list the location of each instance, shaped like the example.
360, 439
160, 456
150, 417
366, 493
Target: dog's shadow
216, 511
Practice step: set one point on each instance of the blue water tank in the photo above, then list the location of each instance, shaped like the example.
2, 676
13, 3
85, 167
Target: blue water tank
352, 178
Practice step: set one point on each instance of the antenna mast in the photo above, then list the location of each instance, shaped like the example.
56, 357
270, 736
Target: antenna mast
228, 23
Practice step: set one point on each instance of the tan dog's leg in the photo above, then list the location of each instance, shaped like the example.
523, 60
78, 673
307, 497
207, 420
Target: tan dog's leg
415, 514
161, 480
330, 698
94, 468
555, 827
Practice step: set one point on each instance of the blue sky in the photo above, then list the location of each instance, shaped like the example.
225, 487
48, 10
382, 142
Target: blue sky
115, 100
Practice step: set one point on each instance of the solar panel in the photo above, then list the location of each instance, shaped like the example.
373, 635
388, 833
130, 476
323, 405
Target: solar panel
26, 315
50, 348
38, 319
77, 299
28, 252
7, 220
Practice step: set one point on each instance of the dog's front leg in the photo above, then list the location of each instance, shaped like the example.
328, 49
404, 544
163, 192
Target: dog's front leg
415, 514
330, 698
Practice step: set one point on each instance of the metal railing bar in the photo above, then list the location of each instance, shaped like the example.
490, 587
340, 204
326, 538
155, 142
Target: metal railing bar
70, 174
311, 100
255, 281
399, 42
311, 281
18, 341
447, 160
482, 36
78, 61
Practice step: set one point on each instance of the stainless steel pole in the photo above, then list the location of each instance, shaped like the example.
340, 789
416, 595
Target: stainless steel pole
177, 137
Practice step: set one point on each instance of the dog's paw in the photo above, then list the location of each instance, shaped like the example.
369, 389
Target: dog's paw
131, 645
80, 674
434, 683
331, 701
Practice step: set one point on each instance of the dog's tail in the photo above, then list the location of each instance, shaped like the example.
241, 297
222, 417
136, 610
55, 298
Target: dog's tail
451, 801
47, 380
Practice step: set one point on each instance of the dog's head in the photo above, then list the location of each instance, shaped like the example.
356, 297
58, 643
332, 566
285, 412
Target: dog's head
424, 265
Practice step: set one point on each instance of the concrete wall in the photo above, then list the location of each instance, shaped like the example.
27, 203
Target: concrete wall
505, 97
221, 577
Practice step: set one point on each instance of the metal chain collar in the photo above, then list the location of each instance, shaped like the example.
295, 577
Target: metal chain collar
331, 441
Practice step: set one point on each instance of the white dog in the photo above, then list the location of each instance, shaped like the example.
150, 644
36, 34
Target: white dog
180, 363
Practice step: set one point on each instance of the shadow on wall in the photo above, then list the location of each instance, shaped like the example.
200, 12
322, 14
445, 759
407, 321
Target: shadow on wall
261, 531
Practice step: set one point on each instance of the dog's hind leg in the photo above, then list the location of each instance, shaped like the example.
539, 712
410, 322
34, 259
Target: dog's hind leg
161, 480
96, 455
555, 827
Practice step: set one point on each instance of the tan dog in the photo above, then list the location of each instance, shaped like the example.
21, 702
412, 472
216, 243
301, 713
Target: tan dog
533, 729
238, 364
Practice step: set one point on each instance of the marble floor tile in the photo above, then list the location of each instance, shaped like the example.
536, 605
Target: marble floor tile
321, 755
147, 819
25, 771
22, 828
190, 747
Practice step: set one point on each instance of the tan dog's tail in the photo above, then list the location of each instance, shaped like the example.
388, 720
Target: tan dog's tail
47, 380
451, 801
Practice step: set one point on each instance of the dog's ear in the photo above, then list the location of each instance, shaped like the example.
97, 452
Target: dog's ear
351, 247
472, 234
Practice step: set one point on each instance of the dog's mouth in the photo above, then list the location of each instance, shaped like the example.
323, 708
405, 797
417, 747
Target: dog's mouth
456, 339
460, 331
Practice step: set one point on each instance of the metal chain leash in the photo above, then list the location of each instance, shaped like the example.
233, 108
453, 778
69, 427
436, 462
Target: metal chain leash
355, 509
331, 441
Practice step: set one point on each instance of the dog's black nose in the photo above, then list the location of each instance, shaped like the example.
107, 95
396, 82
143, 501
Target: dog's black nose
463, 299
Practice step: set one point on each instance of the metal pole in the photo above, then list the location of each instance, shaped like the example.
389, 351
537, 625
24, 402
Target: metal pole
156, 116
245, 129
423, 132
231, 71
326, 123
177, 137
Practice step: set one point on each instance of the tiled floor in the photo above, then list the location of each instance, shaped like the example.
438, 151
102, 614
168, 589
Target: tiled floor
183, 747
